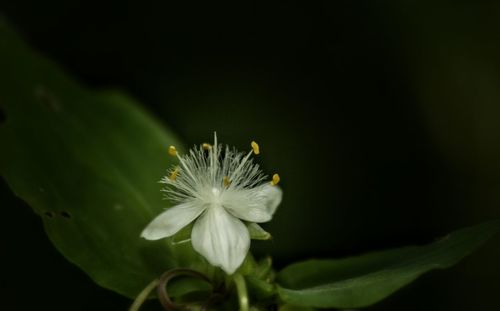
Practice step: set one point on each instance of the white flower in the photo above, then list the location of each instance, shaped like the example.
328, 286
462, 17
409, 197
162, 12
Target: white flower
218, 190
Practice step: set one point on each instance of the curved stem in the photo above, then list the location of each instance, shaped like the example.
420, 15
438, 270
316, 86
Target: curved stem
241, 288
143, 295
163, 296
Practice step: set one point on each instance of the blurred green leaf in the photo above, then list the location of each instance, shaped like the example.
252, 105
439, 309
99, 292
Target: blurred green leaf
88, 163
364, 280
294, 308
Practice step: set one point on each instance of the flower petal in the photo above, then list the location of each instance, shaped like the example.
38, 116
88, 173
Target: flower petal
221, 238
255, 205
172, 220
273, 195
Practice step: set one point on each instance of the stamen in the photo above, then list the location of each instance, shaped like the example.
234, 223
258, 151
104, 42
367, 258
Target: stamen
172, 151
242, 163
174, 174
276, 180
226, 180
255, 147
206, 146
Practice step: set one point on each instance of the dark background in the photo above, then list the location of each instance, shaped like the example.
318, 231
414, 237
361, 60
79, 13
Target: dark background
382, 118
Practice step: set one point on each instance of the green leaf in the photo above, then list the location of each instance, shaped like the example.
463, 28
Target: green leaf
89, 164
294, 308
361, 281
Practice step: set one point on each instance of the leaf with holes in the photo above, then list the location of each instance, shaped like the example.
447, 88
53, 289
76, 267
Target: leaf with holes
88, 163
361, 281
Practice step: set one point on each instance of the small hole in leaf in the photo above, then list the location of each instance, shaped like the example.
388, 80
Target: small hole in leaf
46, 98
3, 115
66, 214
49, 214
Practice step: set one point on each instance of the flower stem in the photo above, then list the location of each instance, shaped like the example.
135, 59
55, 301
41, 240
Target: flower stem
139, 300
241, 288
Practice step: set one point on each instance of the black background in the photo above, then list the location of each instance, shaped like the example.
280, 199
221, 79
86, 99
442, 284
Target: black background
382, 118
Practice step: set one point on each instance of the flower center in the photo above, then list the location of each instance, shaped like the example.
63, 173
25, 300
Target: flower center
216, 197
215, 192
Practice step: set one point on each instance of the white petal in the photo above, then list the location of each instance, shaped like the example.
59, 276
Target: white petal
221, 238
172, 220
256, 205
273, 195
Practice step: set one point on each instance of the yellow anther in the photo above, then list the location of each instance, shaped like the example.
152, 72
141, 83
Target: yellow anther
206, 146
172, 151
255, 147
174, 174
276, 180
226, 180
